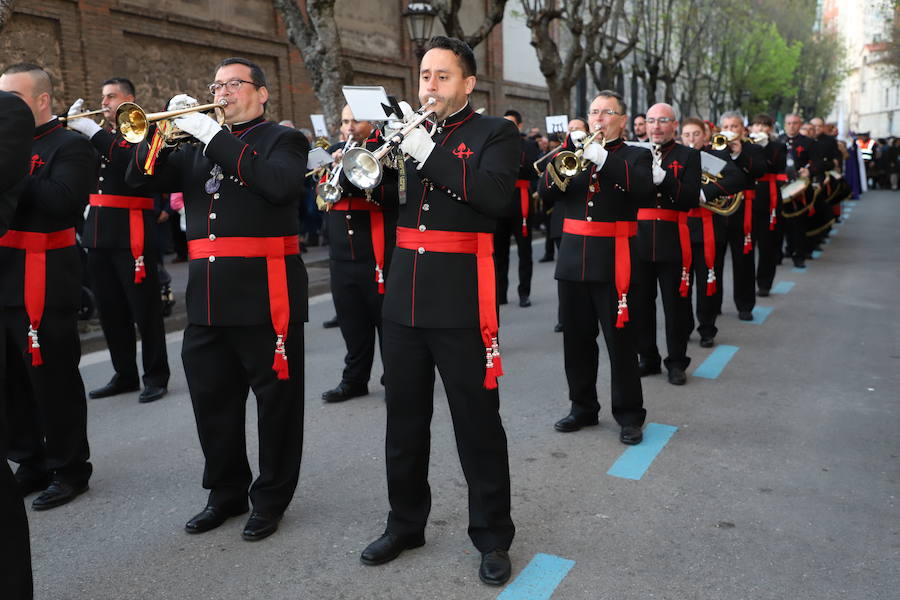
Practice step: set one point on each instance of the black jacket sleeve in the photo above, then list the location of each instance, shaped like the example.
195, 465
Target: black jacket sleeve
16, 132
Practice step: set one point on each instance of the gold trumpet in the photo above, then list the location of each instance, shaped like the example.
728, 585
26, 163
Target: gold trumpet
90, 113
568, 163
133, 122
721, 140
724, 205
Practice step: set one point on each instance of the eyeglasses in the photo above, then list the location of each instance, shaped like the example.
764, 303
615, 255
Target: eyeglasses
233, 85
660, 120
596, 112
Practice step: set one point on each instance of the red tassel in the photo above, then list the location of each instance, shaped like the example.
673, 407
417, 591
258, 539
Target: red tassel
711, 283
34, 347
622, 312
493, 365
685, 283
140, 272
379, 279
280, 365
748, 244
524, 227
772, 221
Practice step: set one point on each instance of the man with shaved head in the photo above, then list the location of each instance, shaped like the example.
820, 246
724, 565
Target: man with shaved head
664, 247
40, 290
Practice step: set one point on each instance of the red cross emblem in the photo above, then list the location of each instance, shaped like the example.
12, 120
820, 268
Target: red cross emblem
675, 166
800, 149
462, 151
124, 144
35, 163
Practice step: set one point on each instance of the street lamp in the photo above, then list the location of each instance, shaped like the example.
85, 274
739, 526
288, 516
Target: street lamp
420, 19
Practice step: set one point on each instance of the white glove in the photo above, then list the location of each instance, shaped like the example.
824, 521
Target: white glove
84, 125
181, 101
202, 127
702, 197
658, 174
418, 144
597, 154
394, 125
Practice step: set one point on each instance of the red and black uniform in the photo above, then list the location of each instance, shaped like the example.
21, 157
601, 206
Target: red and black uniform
664, 258
246, 303
517, 225
120, 234
440, 310
362, 232
795, 214
767, 222
708, 242
16, 130
827, 199
40, 291
596, 274
741, 233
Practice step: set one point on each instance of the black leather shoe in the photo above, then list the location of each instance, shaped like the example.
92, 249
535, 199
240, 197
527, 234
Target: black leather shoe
330, 323
649, 369
546, 258
495, 567
799, 262
677, 376
388, 547
707, 342
345, 391
524, 301
114, 388
558, 328
57, 494
571, 423
151, 393
631, 435
210, 518
260, 526
745, 315
763, 292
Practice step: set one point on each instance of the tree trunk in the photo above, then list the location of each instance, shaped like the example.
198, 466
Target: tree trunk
6, 8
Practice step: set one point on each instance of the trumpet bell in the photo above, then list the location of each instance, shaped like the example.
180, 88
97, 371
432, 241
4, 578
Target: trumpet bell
362, 168
329, 192
131, 121
567, 164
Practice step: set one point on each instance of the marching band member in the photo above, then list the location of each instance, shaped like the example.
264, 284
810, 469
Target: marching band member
361, 237
246, 294
798, 164
40, 290
596, 269
120, 234
769, 234
664, 248
440, 310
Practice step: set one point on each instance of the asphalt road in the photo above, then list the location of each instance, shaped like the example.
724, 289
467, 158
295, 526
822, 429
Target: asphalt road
780, 482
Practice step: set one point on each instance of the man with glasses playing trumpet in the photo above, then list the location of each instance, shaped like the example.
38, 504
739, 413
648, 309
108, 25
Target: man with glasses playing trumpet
361, 237
247, 289
123, 254
595, 268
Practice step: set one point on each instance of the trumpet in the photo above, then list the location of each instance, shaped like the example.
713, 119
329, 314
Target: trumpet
90, 113
576, 136
721, 140
329, 191
363, 167
724, 205
133, 122
568, 163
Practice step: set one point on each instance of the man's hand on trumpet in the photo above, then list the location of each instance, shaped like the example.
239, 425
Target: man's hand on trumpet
200, 126
84, 125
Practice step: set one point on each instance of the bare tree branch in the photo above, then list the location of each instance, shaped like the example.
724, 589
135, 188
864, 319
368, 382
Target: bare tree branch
6, 8
448, 14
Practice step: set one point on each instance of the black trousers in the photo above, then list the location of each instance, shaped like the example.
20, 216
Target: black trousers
46, 405
743, 266
795, 235
707, 307
221, 365
123, 304
505, 229
588, 307
410, 357
676, 310
15, 547
769, 246
358, 306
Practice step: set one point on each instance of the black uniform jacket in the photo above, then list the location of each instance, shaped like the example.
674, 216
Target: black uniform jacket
752, 163
465, 185
732, 181
528, 153
680, 190
62, 171
620, 187
263, 164
107, 227
350, 231
827, 152
800, 153
775, 154
16, 131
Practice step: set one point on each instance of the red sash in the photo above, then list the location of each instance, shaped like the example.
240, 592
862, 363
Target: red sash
482, 246
35, 246
709, 246
273, 249
684, 238
523, 186
376, 223
621, 230
749, 195
135, 206
774, 195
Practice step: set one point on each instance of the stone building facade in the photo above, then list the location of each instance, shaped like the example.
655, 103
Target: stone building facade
171, 46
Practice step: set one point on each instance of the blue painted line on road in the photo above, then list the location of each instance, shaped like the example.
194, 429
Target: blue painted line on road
760, 313
816, 253
834, 230
635, 461
783, 287
798, 270
715, 363
539, 579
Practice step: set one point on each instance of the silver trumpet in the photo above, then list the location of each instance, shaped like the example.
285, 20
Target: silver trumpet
363, 168
329, 191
